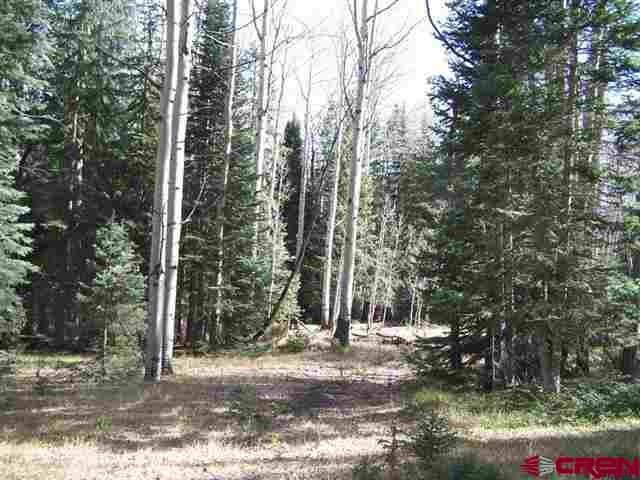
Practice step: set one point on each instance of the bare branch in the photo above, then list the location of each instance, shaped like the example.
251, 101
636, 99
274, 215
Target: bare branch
254, 18
354, 17
382, 10
393, 44
443, 39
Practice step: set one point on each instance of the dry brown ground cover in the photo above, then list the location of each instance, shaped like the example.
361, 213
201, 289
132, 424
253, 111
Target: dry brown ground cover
335, 409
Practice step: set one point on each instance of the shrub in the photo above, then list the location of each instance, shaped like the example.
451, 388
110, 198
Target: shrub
470, 468
8, 362
597, 402
251, 413
103, 424
295, 344
367, 469
432, 437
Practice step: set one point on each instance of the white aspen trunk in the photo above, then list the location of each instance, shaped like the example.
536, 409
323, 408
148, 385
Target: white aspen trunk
326, 320
176, 180
336, 300
275, 163
303, 175
154, 336
216, 335
343, 329
276, 236
261, 107
413, 301
367, 120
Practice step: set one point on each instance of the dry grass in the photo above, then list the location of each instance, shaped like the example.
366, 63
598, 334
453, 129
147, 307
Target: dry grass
338, 406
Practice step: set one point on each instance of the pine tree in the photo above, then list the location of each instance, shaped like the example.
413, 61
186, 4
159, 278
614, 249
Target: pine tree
518, 268
23, 56
114, 305
292, 144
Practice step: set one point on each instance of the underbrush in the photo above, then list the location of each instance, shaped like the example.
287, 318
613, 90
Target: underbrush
414, 450
583, 402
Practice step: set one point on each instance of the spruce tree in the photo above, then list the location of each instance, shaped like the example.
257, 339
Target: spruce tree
113, 306
519, 268
23, 57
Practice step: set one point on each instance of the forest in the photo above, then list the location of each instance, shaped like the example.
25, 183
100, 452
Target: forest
233, 246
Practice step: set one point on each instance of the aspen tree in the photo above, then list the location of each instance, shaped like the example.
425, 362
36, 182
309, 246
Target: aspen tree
153, 354
176, 180
326, 320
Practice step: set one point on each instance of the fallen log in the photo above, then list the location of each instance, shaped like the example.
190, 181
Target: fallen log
394, 339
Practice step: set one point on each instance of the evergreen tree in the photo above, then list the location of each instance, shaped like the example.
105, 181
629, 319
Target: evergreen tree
114, 305
23, 56
292, 143
96, 160
518, 268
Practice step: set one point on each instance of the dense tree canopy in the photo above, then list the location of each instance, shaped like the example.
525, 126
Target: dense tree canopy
505, 212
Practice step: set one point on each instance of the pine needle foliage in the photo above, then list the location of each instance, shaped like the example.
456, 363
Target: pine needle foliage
114, 305
23, 50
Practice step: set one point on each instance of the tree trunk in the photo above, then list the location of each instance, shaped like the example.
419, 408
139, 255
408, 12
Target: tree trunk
275, 163
153, 354
549, 355
176, 180
455, 356
413, 300
344, 319
629, 360
326, 320
216, 334
336, 301
303, 173
261, 109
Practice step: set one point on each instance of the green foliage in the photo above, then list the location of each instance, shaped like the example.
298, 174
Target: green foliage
598, 402
290, 309
367, 469
103, 424
432, 437
253, 414
114, 305
23, 51
8, 368
42, 386
515, 214
295, 344
469, 468
292, 144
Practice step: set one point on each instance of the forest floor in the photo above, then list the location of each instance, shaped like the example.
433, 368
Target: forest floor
319, 413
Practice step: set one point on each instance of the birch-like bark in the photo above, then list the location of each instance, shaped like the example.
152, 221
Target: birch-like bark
326, 320
261, 107
274, 197
343, 328
275, 164
216, 334
305, 162
176, 180
413, 301
154, 337
275, 258
336, 301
